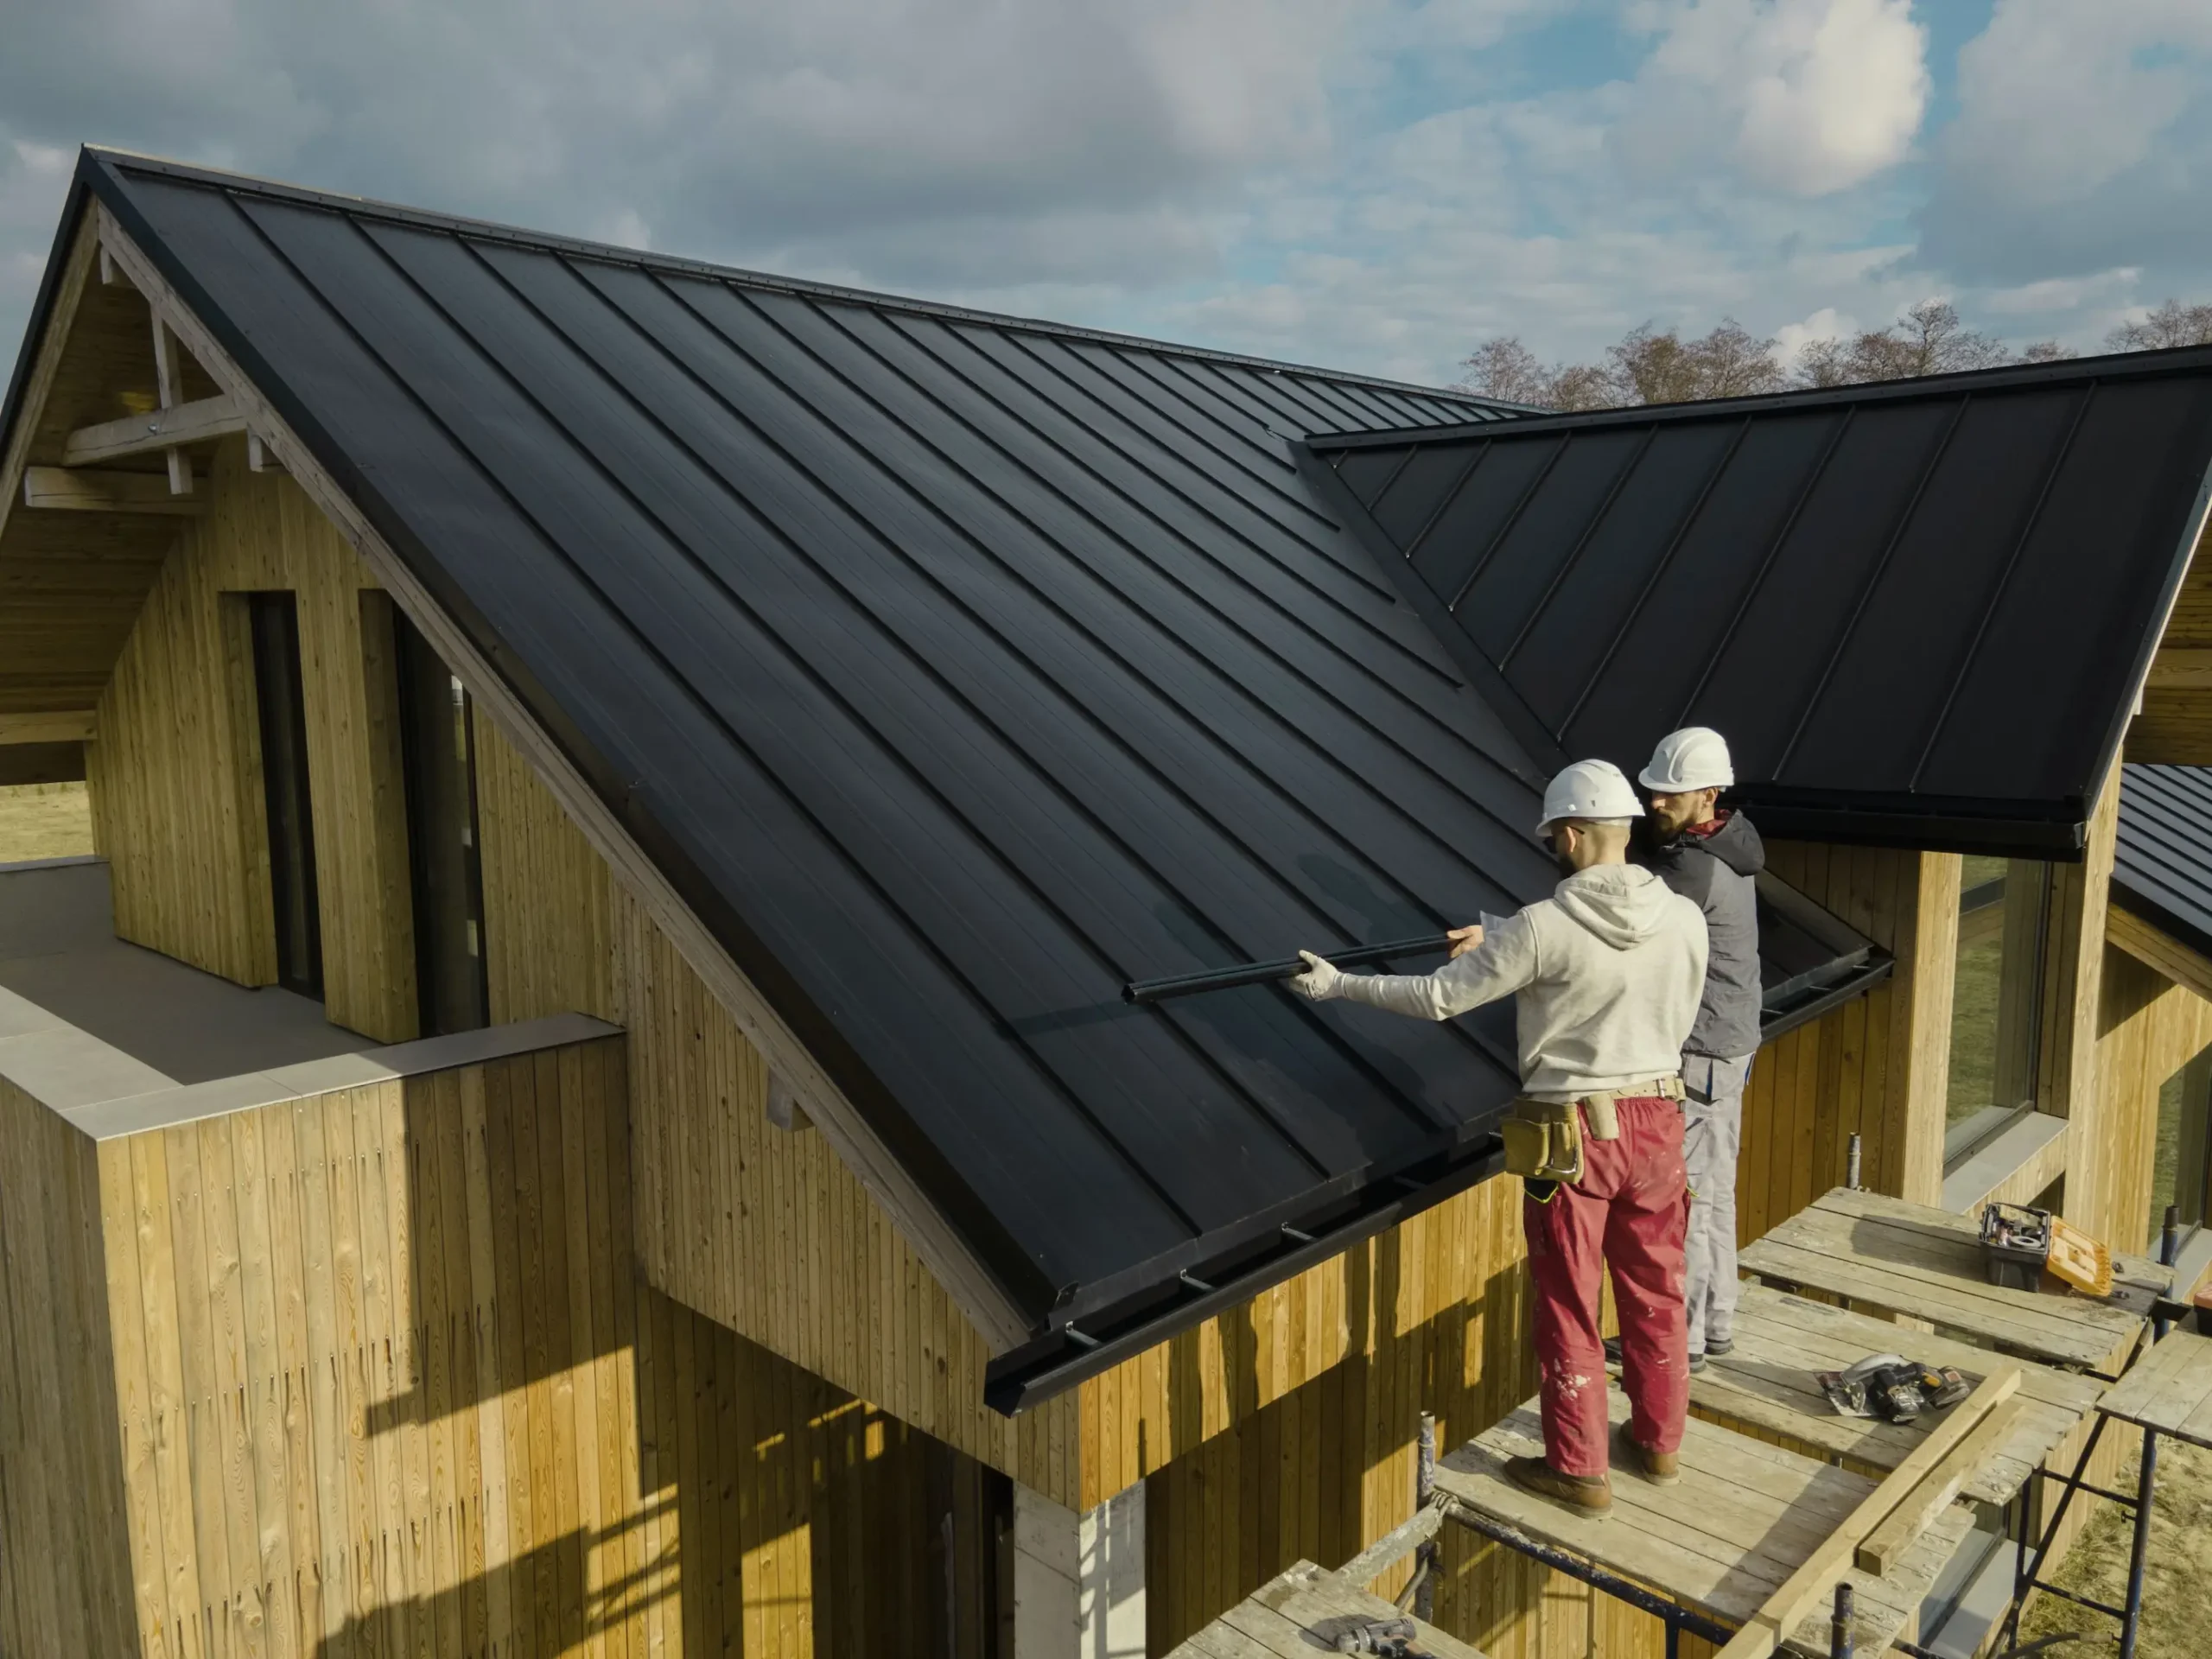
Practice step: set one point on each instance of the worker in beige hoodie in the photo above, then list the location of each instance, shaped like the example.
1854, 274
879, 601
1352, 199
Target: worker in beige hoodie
1606, 975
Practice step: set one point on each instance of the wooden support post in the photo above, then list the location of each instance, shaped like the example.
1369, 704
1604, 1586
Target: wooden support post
1814, 1579
170, 381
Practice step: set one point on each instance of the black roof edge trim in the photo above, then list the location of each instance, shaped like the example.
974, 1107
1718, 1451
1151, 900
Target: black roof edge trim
41, 311
1028, 1376
2079, 370
1180, 1296
1815, 999
2057, 833
2169, 922
611, 253
1025, 1283
1336, 496
2113, 754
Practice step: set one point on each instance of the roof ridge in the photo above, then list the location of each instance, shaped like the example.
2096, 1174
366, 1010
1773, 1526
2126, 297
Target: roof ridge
612, 253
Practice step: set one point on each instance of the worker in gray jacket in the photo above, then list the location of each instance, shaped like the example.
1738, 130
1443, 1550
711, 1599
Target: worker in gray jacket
1710, 855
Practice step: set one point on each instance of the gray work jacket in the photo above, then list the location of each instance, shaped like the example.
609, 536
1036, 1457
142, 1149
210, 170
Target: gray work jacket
1715, 872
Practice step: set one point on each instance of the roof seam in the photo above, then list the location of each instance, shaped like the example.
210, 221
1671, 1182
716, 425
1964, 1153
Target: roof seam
234, 184
1872, 583
1996, 597
860, 873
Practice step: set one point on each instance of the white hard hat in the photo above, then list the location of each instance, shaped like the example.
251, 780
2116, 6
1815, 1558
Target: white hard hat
1694, 758
1589, 788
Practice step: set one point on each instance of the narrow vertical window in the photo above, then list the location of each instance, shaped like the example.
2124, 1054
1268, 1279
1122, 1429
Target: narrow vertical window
283, 711
2181, 1171
438, 757
1996, 999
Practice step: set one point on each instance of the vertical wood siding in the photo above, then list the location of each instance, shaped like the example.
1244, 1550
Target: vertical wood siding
176, 775
381, 1381
764, 1230
65, 1556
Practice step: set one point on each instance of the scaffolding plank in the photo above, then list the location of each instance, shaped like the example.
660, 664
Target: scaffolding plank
1301, 1612
2170, 1390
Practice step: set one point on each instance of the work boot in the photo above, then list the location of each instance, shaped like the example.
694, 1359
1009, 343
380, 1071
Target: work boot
1719, 1347
1590, 1494
1660, 1468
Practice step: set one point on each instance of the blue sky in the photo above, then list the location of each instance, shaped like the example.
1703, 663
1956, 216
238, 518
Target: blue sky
1374, 184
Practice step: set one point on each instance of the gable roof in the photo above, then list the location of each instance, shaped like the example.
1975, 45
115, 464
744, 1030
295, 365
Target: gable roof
957, 669
952, 670
1877, 593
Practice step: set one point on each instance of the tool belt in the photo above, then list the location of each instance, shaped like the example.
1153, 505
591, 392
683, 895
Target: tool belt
1543, 1138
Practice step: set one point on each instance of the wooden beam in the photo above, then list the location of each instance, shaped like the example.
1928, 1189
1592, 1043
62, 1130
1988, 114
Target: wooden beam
68, 489
979, 1295
170, 381
161, 429
70, 725
1814, 1579
258, 456
2152, 946
76, 275
1885, 1547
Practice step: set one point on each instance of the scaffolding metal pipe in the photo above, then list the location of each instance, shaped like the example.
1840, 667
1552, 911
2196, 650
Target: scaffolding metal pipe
1141, 991
1676, 1615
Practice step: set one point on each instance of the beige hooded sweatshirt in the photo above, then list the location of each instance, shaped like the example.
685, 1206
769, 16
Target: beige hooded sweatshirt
1608, 972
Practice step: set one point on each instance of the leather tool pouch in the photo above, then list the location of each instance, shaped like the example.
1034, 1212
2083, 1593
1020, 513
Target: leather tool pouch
1543, 1142
1603, 1115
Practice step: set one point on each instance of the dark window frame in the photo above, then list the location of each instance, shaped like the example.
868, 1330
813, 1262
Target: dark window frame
434, 708
280, 709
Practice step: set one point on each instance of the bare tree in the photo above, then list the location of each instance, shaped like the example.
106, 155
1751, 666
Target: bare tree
2045, 351
1503, 368
2171, 324
1929, 339
1652, 367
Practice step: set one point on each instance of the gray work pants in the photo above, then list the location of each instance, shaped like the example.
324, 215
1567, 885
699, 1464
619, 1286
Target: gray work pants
1712, 1127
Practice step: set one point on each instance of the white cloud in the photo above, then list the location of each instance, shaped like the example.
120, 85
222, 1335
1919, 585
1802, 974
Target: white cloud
1803, 96
2084, 140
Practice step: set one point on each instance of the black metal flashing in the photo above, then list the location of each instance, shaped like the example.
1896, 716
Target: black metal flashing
1920, 612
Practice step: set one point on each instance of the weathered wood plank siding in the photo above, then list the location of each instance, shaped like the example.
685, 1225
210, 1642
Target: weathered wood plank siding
175, 774
65, 1561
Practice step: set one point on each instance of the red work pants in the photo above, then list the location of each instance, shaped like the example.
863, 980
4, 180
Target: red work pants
1630, 1211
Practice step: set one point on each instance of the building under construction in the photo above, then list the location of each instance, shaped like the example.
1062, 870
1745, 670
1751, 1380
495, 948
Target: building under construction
587, 1102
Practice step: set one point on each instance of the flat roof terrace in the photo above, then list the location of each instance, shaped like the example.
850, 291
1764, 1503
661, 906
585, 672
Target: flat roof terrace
118, 1039
59, 955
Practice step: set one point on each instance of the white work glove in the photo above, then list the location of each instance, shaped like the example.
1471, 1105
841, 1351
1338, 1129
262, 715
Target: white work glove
1320, 982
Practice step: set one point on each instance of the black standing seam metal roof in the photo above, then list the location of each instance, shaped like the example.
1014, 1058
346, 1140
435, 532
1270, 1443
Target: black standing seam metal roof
2162, 855
955, 670
1882, 596
961, 669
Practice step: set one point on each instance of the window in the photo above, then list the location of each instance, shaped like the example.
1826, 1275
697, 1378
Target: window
275, 622
2181, 1172
1996, 999
438, 759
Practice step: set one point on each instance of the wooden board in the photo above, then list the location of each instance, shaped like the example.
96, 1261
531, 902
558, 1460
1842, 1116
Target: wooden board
1927, 1263
1745, 1517
1301, 1613
2170, 1390
1768, 1385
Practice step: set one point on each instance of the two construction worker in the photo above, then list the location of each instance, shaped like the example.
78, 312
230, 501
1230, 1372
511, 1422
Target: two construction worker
1631, 983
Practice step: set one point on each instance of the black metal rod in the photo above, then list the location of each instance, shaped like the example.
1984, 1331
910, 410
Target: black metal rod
1596, 1577
1260, 973
2090, 1602
1839, 1624
2147, 1483
2030, 1576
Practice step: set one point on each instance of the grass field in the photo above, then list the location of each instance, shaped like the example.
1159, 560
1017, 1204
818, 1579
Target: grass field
44, 820
2177, 1576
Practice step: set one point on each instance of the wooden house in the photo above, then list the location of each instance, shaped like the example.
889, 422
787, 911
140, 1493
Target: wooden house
629, 792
